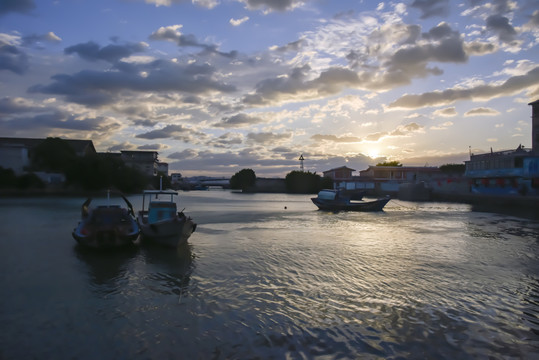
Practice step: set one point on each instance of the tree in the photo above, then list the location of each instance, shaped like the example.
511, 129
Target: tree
8, 179
390, 163
53, 154
243, 179
301, 182
97, 172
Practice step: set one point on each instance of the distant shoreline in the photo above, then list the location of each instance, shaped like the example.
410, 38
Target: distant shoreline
467, 198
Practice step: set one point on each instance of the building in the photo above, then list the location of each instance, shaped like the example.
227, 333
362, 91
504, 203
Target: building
381, 179
507, 172
388, 179
144, 161
162, 167
176, 178
16, 153
339, 174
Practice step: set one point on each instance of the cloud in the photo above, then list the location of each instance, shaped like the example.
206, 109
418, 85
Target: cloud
511, 86
17, 105
178, 132
479, 48
447, 112
296, 86
239, 120
443, 126
406, 130
501, 26
431, 8
238, 22
91, 51
172, 33
153, 147
50, 120
20, 6
99, 88
481, 111
534, 21
273, 5
447, 46
267, 138
48, 37
336, 139
226, 140
13, 59
209, 4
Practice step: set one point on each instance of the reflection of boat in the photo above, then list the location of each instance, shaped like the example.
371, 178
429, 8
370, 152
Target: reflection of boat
161, 222
106, 269
106, 226
334, 200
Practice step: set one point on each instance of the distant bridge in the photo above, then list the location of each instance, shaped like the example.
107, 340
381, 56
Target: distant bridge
224, 182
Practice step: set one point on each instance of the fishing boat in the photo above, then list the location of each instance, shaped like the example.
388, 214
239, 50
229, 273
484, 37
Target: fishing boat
161, 222
106, 226
334, 200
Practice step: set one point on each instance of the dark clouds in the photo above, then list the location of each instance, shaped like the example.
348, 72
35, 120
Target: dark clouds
98, 88
501, 26
275, 5
437, 98
172, 33
91, 51
20, 6
177, 132
239, 120
431, 8
13, 59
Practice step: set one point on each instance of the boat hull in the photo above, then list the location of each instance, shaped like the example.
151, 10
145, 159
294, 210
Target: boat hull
329, 205
106, 237
170, 232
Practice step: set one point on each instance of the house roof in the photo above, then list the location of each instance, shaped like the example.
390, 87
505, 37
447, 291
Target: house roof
340, 168
404, 168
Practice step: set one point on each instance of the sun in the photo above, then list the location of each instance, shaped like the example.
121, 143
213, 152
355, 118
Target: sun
373, 153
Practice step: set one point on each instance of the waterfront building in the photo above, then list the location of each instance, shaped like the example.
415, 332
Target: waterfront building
16, 153
176, 178
507, 172
381, 179
162, 167
339, 174
144, 161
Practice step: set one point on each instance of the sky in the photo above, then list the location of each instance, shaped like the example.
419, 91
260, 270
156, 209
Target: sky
216, 86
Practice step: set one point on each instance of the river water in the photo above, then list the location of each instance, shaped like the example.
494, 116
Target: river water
268, 276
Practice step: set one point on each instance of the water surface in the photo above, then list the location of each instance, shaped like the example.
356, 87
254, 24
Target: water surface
269, 276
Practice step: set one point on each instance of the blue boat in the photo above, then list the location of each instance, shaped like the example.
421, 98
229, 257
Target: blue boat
160, 222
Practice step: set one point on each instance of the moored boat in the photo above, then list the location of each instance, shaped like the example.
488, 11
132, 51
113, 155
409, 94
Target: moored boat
334, 200
106, 226
161, 222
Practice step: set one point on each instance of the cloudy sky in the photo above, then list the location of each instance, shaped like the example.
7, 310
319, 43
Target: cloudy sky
216, 86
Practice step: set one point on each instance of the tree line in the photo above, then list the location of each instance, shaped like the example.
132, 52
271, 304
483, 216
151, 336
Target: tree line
90, 172
297, 182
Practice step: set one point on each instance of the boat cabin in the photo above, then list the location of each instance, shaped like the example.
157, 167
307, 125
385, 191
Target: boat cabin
328, 194
161, 210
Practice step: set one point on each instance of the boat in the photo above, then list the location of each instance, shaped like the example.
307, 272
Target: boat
106, 226
160, 222
335, 200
